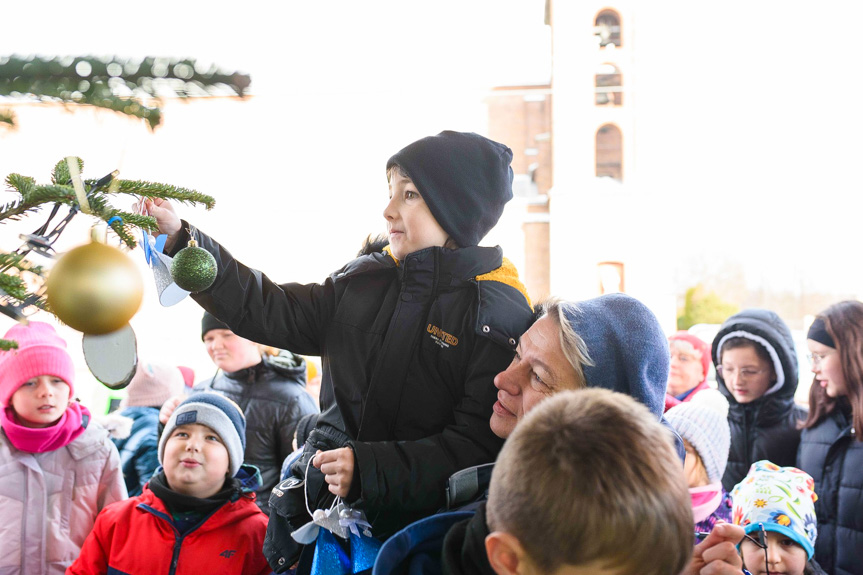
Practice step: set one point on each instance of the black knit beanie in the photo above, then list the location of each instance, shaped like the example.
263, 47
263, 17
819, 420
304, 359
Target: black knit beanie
464, 178
209, 321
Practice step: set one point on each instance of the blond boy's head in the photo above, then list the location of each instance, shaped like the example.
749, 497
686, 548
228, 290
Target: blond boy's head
589, 482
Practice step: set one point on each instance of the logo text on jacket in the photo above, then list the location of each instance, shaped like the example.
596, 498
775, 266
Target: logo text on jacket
441, 337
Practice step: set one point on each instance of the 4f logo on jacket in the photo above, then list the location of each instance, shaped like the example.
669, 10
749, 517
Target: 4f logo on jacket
441, 337
227, 553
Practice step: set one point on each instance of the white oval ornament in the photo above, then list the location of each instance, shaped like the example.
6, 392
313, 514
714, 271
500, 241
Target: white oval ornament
112, 357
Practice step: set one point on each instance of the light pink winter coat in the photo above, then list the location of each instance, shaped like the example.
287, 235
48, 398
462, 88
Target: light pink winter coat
49, 501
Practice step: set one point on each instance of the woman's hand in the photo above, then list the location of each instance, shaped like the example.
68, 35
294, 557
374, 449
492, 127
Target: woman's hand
337, 465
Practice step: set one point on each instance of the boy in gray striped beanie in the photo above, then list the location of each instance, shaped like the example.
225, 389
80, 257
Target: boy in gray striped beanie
218, 413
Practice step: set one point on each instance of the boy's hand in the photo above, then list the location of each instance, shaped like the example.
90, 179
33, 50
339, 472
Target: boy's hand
166, 218
717, 554
337, 465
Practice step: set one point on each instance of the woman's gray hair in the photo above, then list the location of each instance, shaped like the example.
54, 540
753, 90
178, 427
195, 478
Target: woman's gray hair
573, 346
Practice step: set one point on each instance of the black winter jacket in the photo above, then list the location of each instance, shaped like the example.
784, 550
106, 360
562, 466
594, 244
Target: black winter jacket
409, 353
830, 453
767, 427
273, 397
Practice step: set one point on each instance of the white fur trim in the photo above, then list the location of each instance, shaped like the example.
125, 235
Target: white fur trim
777, 365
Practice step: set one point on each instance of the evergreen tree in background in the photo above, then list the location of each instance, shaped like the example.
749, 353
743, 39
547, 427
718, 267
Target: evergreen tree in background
131, 87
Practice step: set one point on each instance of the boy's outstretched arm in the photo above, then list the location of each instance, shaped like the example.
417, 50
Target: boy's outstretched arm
717, 554
288, 316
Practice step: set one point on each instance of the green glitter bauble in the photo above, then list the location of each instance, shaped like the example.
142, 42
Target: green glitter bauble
194, 269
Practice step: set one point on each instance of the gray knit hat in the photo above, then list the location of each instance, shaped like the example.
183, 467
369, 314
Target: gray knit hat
703, 422
219, 414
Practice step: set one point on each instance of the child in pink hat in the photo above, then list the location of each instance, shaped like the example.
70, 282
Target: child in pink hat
60, 468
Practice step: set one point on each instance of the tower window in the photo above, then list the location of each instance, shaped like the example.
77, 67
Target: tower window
609, 152
609, 86
607, 28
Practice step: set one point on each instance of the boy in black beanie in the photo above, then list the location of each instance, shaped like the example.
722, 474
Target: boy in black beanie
410, 338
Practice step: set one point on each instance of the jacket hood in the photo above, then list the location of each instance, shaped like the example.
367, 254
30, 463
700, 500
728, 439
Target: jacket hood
767, 329
626, 345
288, 364
249, 477
285, 365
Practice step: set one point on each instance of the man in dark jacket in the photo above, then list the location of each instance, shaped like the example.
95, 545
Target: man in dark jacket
269, 388
763, 426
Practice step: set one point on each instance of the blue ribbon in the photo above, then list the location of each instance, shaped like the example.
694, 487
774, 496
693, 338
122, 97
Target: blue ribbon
158, 245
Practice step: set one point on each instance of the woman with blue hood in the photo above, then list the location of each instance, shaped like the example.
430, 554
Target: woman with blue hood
613, 342
756, 370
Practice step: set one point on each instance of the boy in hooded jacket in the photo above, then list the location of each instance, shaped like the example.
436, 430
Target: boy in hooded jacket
197, 515
410, 338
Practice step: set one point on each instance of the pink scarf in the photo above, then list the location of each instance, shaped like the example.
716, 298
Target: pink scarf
705, 500
71, 424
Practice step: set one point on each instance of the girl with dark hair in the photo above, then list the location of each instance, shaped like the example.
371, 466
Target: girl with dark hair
831, 449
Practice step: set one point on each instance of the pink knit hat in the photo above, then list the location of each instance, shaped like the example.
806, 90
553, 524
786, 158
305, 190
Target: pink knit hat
41, 351
152, 385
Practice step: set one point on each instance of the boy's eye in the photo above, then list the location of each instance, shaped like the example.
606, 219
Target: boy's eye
214, 438
410, 194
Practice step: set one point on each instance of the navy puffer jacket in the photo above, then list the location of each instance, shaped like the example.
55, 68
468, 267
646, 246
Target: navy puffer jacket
830, 453
767, 427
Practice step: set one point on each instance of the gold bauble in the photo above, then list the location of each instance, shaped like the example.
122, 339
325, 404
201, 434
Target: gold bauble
95, 289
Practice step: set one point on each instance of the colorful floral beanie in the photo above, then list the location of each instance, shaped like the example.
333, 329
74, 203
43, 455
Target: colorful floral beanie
781, 499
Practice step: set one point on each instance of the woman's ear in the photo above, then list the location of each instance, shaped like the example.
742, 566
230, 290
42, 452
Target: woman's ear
505, 553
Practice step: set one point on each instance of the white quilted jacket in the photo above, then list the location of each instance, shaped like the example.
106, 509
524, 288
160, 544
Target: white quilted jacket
49, 501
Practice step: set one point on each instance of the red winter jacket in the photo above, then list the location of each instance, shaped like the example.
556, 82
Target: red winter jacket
137, 536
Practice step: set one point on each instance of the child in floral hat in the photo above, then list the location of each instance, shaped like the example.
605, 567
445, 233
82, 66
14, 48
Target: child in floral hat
776, 508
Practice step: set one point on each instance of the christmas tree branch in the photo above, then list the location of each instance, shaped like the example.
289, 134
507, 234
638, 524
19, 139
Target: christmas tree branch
35, 198
153, 190
131, 87
18, 261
